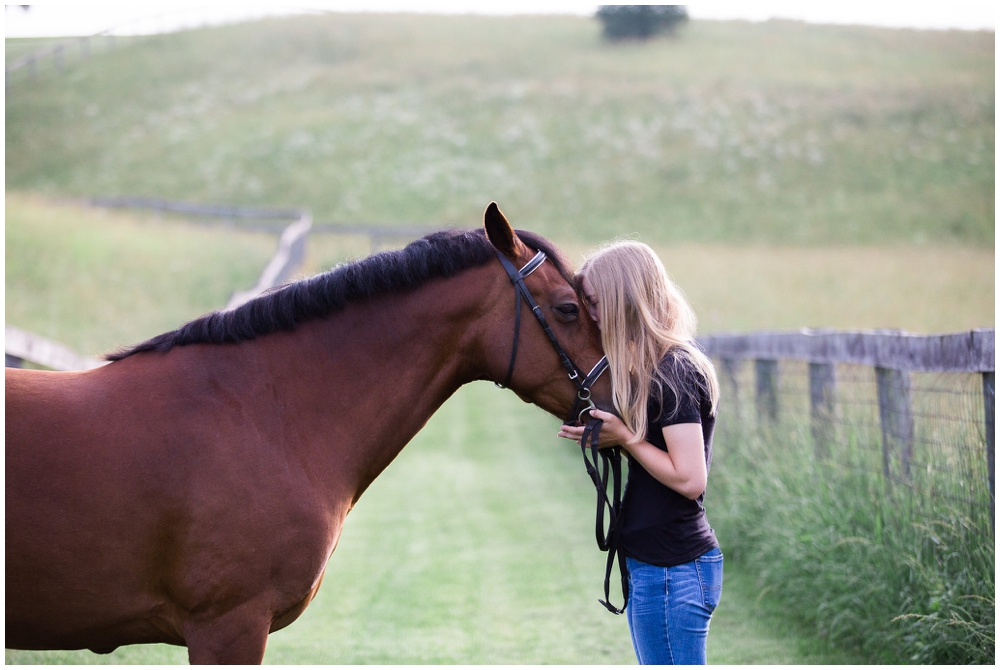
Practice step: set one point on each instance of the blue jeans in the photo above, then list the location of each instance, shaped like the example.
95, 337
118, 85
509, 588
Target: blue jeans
669, 609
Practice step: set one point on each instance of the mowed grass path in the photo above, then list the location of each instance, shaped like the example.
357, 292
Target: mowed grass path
476, 546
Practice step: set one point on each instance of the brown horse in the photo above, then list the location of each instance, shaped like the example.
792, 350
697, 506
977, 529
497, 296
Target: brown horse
192, 491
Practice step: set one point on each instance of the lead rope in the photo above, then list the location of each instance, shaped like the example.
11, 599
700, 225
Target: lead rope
607, 463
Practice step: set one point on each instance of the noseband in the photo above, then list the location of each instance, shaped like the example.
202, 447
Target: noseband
583, 382
607, 462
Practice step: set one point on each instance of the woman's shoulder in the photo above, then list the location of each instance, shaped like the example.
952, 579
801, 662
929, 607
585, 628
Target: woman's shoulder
678, 365
678, 392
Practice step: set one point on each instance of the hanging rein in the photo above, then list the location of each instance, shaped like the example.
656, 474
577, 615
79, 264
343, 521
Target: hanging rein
607, 463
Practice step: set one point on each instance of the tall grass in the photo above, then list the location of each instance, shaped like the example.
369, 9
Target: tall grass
904, 573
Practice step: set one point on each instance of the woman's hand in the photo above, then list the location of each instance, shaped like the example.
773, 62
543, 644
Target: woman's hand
613, 433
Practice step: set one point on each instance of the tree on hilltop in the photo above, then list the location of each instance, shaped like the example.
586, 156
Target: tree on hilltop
640, 21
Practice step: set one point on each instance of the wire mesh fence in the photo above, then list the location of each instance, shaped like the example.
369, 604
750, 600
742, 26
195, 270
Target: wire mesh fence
924, 432
853, 475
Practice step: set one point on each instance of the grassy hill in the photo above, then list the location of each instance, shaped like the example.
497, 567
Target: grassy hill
776, 133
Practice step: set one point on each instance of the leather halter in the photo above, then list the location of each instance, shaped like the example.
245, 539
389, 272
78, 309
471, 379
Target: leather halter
581, 381
607, 463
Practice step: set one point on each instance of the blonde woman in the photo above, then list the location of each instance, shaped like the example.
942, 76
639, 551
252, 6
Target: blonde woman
666, 392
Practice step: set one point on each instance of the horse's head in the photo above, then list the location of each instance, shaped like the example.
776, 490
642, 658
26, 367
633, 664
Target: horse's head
525, 358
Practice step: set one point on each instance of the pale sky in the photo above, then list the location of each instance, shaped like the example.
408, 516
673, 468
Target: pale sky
52, 19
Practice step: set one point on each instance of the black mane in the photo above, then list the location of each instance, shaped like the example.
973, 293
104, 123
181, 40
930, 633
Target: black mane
438, 255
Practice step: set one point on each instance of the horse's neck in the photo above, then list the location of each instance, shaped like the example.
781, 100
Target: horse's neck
367, 379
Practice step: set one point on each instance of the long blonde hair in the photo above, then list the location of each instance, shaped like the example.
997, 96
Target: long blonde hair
644, 315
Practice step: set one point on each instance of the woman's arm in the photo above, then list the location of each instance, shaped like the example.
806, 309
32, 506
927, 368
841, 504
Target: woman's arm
682, 468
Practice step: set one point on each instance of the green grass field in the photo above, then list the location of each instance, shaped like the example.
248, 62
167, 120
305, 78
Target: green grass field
733, 133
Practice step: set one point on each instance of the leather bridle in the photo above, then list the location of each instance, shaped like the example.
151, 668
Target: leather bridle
607, 463
581, 381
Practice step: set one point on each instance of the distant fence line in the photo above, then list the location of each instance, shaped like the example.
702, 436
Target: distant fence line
915, 400
267, 219
196, 209
57, 55
84, 46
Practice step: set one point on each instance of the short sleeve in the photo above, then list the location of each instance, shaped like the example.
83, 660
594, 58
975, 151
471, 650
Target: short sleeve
688, 408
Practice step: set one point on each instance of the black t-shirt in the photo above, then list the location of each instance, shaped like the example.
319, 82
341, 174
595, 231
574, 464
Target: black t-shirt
660, 526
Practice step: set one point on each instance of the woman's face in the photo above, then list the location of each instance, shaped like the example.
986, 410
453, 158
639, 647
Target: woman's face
592, 305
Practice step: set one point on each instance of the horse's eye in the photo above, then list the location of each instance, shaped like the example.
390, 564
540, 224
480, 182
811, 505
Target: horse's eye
568, 311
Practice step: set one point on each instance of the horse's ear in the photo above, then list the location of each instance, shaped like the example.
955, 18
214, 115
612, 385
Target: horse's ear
500, 234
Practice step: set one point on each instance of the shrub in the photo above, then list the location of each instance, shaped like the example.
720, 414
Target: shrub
640, 21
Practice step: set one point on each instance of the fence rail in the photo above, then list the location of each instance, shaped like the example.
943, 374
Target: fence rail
291, 252
20, 346
196, 209
916, 399
972, 351
268, 219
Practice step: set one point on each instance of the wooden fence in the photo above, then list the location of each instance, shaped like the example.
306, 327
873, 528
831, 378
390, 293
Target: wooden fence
291, 252
20, 346
894, 356
269, 219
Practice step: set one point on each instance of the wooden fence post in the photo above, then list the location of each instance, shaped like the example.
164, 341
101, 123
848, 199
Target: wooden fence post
896, 416
767, 388
730, 367
822, 407
291, 252
989, 404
